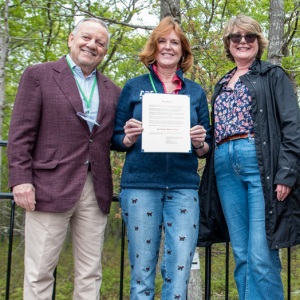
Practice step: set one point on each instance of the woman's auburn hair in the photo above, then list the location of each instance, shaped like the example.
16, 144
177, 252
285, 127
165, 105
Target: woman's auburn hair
247, 24
166, 25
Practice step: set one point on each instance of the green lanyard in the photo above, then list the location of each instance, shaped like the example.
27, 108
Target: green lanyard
152, 83
153, 86
86, 100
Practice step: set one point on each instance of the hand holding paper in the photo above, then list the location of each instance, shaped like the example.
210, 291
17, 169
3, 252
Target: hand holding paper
133, 129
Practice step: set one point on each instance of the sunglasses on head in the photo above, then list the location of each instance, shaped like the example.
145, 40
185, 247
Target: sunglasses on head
237, 37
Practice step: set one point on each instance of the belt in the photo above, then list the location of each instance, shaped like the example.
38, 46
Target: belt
236, 137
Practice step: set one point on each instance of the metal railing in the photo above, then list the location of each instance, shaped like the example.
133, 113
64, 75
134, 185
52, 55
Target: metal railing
9, 196
208, 258
10, 241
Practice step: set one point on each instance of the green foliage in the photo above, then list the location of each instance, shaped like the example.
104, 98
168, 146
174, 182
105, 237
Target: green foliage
41, 36
117, 161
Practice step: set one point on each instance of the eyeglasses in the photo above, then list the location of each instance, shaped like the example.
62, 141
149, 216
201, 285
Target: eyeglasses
237, 37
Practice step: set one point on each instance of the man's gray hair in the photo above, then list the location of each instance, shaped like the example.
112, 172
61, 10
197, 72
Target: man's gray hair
102, 23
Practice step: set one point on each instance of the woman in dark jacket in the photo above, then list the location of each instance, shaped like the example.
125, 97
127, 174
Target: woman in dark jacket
255, 163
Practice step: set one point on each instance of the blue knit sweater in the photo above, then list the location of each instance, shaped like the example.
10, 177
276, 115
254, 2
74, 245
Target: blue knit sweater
157, 170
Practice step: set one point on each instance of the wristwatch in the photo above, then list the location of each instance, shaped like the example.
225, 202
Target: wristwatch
200, 147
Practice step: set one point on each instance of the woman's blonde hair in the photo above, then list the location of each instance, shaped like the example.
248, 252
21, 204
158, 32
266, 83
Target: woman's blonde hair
166, 25
246, 24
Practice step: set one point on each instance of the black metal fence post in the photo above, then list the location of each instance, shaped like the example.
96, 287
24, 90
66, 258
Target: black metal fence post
227, 272
288, 273
207, 272
10, 242
122, 260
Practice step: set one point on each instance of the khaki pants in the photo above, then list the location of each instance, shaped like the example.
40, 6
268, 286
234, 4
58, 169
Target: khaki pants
44, 236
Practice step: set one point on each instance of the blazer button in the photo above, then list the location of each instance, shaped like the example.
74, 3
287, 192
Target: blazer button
86, 163
90, 140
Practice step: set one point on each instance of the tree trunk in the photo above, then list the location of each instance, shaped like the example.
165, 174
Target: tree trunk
278, 45
4, 43
170, 8
276, 32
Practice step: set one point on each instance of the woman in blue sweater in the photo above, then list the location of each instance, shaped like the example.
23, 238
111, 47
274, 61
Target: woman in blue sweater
160, 190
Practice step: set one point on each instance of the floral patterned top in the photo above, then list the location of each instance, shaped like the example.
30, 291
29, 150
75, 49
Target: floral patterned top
232, 110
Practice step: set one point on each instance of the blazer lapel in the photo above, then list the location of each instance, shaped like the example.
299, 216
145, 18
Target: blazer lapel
65, 80
104, 96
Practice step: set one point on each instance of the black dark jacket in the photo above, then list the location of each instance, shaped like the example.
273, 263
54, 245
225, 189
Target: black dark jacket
276, 118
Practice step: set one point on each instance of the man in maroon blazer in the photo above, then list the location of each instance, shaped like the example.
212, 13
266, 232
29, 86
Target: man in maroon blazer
59, 163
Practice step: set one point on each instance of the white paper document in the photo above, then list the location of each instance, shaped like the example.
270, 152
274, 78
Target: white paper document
166, 123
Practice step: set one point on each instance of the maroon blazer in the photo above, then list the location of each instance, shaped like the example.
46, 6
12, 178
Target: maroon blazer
51, 147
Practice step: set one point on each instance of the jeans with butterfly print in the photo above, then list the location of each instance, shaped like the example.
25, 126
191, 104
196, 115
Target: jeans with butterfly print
146, 212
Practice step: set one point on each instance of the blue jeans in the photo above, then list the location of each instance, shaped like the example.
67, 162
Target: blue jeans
257, 270
146, 212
